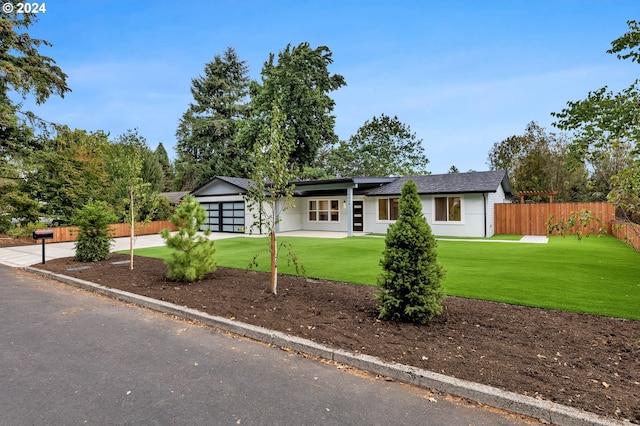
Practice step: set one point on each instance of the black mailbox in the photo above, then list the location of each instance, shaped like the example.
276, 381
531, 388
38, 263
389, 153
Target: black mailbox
43, 234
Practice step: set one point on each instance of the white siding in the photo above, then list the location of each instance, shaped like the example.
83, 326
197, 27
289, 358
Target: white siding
471, 225
472, 215
290, 219
493, 198
218, 187
309, 225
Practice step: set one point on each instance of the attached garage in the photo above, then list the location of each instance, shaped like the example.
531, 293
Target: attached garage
223, 200
224, 216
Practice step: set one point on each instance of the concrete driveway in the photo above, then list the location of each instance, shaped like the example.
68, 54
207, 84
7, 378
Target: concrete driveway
29, 255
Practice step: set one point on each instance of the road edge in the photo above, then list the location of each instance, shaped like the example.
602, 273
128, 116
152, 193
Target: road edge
510, 401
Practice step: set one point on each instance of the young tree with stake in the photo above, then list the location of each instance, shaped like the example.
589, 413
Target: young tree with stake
270, 192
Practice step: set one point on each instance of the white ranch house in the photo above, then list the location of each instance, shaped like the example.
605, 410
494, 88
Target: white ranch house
456, 204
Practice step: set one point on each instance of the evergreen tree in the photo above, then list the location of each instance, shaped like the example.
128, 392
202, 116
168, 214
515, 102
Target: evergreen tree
152, 171
410, 287
24, 71
192, 255
300, 81
167, 168
94, 236
206, 133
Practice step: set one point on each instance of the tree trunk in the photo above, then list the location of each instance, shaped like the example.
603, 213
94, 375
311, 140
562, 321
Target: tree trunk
132, 233
274, 263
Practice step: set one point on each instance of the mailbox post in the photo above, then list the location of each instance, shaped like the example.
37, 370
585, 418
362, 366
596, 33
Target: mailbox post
43, 234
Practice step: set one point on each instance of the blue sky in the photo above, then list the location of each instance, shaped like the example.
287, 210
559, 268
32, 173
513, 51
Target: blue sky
462, 74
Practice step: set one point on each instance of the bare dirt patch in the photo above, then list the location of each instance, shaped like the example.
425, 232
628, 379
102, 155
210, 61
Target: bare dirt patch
584, 361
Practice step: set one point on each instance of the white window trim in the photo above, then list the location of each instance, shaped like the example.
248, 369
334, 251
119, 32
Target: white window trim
449, 222
317, 200
378, 220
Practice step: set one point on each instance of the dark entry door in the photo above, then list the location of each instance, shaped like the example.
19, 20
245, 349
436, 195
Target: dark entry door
358, 216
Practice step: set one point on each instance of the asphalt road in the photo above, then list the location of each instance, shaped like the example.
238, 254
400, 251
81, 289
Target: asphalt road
69, 357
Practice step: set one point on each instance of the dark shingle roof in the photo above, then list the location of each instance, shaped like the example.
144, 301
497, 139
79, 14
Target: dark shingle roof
239, 182
174, 197
472, 182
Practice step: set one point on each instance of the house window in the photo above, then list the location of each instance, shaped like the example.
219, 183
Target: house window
448, 209
388, 208
324, 210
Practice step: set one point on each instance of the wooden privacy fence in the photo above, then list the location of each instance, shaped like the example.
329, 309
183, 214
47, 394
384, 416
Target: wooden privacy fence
627, 232
532, 219
69, 233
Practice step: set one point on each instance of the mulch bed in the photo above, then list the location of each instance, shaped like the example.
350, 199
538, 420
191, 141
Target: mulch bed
584, 361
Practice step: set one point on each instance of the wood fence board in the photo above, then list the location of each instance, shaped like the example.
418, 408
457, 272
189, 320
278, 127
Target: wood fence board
627, 232
532, 219
69, 233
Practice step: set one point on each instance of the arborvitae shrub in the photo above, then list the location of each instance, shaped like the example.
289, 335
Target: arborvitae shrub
193, 254
94, 239
409, 286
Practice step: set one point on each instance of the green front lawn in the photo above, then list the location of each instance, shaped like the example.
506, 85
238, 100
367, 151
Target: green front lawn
596, 275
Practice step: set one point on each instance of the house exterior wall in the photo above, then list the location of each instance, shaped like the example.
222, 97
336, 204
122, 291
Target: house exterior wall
297, 217
291, 219
494, 198
218, 187
371, 222
472, 213
308, 225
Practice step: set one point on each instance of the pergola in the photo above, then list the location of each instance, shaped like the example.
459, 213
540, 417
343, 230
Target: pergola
523, 194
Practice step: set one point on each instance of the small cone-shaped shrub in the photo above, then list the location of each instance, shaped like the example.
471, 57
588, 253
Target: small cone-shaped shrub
94, 239
409, 286
193, 254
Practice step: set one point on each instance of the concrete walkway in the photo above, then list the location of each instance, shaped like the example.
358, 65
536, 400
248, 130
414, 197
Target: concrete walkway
21, 256
527, 239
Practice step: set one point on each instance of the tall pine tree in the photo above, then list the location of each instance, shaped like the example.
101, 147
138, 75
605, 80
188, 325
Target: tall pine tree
206, 134
410, 289
167, 168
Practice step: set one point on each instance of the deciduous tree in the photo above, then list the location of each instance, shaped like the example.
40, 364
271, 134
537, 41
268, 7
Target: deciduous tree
537, 161
132, 193
608, 123
301, 82
382, 146
68, 172
270, 192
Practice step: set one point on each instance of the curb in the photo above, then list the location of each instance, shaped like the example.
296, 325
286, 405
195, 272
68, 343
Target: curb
510, 401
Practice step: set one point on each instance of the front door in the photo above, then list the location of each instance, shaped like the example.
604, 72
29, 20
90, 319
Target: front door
358, 216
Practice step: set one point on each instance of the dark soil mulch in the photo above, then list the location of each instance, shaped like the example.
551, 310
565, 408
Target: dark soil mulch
583, 361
